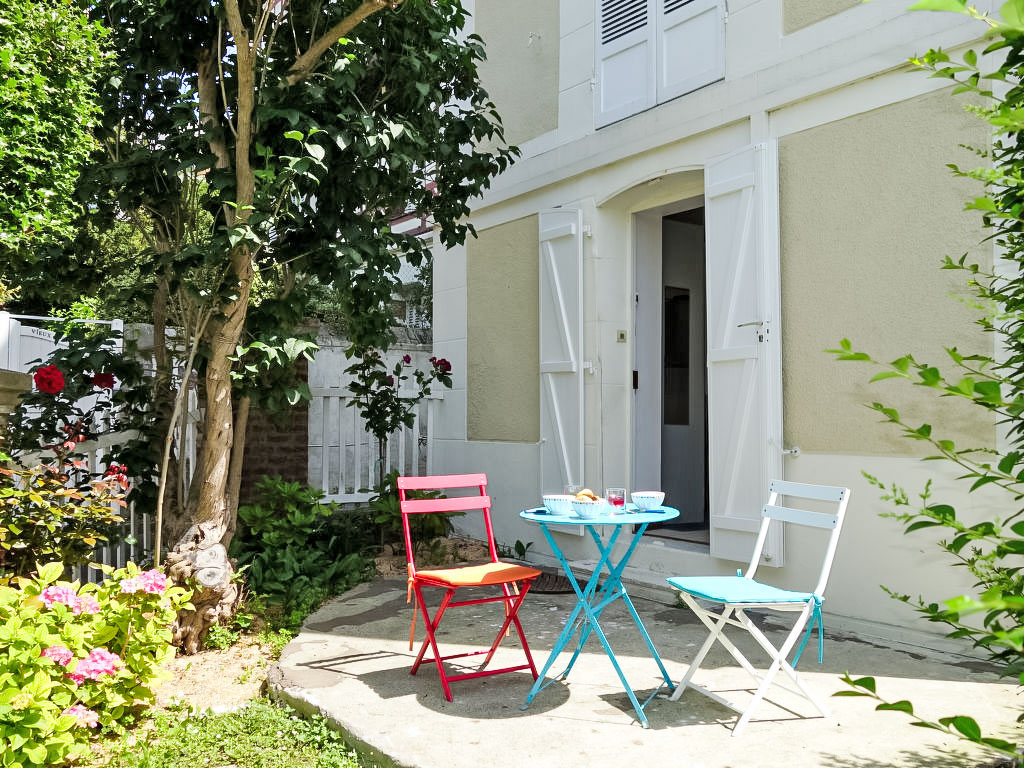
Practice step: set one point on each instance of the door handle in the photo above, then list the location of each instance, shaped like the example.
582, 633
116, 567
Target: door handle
758, 323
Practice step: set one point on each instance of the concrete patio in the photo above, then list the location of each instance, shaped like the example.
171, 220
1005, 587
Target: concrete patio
351, 663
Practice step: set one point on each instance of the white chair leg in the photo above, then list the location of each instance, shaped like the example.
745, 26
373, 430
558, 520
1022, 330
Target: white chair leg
715, 633
782, 653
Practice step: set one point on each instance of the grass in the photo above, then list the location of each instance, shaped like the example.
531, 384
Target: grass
262, 735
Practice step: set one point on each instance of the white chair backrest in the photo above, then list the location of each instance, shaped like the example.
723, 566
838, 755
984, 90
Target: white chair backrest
790, 513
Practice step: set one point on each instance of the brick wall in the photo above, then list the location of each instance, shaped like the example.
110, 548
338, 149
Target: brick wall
271, 449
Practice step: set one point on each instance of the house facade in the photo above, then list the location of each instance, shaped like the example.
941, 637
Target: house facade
711, 193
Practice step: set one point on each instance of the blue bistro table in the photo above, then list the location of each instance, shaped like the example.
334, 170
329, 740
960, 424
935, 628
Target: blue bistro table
594, 597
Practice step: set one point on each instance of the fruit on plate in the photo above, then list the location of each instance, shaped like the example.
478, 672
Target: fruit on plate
587, 495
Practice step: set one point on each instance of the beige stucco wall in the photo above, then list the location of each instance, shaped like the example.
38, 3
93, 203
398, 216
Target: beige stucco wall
868, 210
503, 355
521, 71
797, 14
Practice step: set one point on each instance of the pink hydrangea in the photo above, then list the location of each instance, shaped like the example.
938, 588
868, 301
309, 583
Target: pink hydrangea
86, 604
62, 595
98, 663
67, 596
152, 582
59, 654
83, 715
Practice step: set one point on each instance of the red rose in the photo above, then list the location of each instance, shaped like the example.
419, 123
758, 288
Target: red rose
406, 359
49, 379
103, 380
442, 365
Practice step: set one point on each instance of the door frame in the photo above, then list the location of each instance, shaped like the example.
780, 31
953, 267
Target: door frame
646, 413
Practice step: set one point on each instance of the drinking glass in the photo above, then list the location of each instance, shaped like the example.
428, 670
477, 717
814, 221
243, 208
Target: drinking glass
616, 499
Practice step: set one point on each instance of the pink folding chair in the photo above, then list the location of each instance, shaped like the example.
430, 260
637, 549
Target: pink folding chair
514, 580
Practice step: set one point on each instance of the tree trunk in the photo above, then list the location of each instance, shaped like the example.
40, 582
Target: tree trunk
235, 470
174, 520
201, 554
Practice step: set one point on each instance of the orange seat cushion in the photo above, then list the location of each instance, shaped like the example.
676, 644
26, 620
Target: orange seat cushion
478, 575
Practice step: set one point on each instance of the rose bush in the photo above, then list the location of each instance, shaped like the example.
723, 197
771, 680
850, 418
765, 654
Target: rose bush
78, 659
378, 395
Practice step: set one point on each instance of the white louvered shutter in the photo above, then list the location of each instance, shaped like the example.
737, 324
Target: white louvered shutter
625, 59
690, 46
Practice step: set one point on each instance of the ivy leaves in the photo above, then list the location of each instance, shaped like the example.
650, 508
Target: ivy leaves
49, 56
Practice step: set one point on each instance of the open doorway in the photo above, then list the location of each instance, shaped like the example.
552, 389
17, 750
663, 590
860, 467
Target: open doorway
670, 381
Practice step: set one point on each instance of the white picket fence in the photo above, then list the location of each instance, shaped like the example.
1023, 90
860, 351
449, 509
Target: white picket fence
343, 456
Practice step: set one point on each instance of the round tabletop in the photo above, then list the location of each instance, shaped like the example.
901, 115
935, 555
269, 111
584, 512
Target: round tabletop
631, 516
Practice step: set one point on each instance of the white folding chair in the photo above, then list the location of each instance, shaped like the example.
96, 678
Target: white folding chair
733, 595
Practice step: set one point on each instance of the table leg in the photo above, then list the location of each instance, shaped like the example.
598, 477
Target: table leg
591, 604
570, 625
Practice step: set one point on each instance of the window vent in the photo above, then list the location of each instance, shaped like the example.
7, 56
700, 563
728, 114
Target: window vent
675, 5
620, 17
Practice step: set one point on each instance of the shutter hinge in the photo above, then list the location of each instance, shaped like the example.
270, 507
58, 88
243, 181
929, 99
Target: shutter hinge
636, 379
587, 231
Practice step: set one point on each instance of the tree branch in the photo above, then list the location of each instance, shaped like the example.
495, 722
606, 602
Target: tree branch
305, 63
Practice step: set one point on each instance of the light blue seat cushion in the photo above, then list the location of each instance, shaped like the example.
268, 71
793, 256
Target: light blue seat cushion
736, 589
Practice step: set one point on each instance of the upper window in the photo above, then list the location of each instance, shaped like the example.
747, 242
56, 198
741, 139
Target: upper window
650, 51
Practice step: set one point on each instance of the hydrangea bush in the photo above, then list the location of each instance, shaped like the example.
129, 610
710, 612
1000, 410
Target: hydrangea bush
79, 658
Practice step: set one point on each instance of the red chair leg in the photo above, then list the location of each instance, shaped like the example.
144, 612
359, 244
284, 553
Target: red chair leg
511, 604
511, 616
431, 625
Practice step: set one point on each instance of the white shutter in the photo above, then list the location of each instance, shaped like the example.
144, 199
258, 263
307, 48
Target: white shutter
744, 356
561, 347
691, 46
625, 59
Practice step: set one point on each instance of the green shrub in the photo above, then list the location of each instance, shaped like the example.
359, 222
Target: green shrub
296, 550
77, 659
45, 517
387, 514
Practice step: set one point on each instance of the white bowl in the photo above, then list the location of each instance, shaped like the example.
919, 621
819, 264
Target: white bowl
558, 503
588, 509
647, 500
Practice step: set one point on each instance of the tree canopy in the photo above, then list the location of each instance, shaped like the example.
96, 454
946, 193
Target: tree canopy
257, 148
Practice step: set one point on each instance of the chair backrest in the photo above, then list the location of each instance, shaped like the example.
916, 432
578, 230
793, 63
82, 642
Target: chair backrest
461, 503
833, 496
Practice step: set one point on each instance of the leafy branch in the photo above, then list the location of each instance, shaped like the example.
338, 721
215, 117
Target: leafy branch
961, 726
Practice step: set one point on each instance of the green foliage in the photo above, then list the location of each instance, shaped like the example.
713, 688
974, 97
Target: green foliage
78, 659
296, 550
82, 409
517, 550
380, 398
42, 517
387, 514
261, 735
378, 392
220, 637
65, 422
991, 619
50, 55
961, 726
275, 640
266, 372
